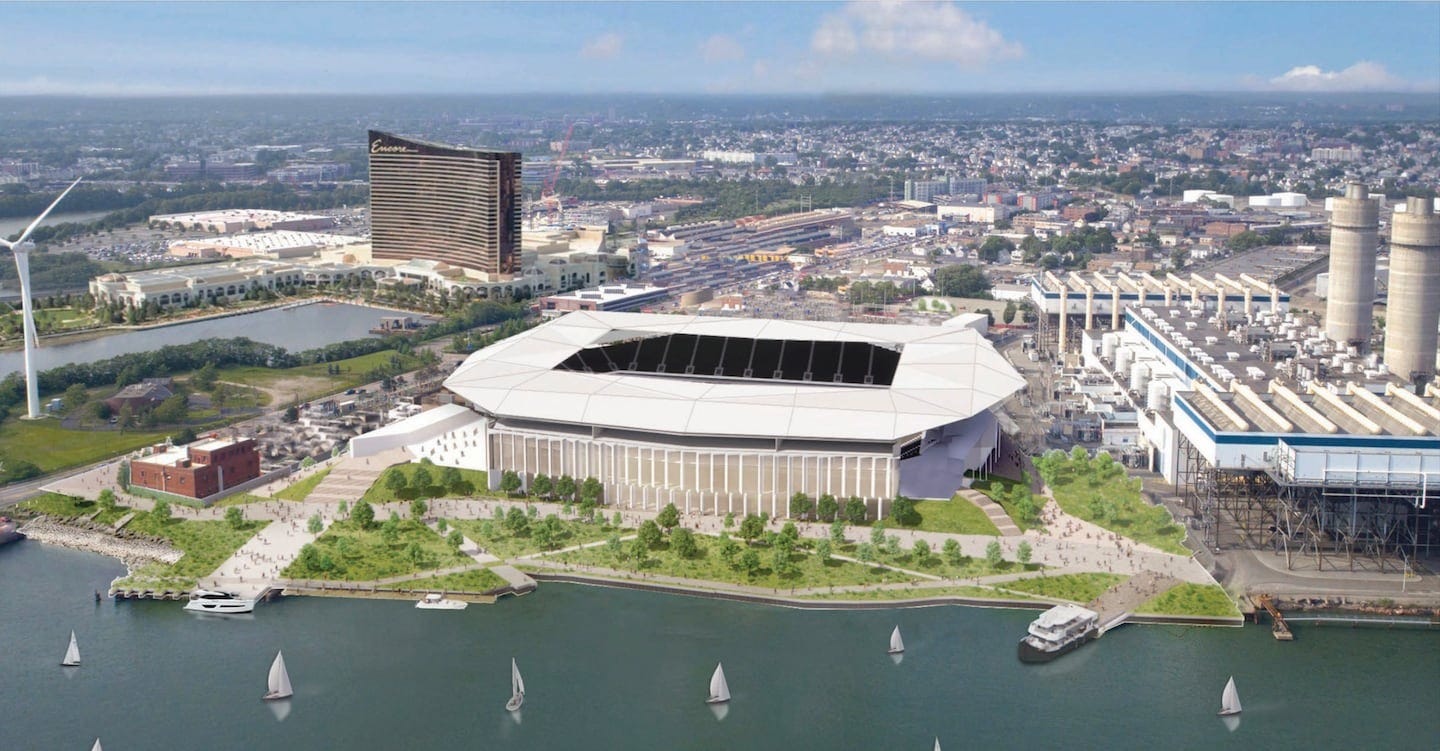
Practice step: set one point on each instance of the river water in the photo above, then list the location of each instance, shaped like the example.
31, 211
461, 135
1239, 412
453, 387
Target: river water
612, 669
295, 329
14, 224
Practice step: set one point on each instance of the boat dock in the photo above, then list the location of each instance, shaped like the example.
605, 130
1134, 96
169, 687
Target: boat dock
1278, 627
1118, 603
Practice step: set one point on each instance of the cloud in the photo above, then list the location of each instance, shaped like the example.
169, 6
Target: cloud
607, 46
721, 48
923, 29
1362, 76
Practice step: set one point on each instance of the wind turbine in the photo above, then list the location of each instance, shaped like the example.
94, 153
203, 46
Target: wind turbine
22, 249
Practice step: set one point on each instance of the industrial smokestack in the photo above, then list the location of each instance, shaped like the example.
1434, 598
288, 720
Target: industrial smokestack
1413, 311
1354, 238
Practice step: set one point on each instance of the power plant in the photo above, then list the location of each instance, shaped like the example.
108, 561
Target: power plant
1412, 313
1279, 431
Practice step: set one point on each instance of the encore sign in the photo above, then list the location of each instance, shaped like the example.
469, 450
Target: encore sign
378, 146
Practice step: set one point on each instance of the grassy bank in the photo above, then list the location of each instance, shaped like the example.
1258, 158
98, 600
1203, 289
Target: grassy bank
1022, 507
709, 564
1191, 599
1098, 491
955, 516
70, 507
298, 491
477, 580
206, 544
1081, 588
348, 552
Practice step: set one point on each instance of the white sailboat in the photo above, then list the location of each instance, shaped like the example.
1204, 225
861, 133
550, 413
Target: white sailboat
937, 744
279, 682
96, 747
896, 645
1229, 700
719, 690
72, 653
517, 688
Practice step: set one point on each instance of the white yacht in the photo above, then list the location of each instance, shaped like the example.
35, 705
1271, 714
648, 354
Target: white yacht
435, 601
1058, 630
218, 603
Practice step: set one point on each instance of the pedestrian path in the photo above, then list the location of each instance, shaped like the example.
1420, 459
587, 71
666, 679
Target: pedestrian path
351, 477
256, 566
995, 511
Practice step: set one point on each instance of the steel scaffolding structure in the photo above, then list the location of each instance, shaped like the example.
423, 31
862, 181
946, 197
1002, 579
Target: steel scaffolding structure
1336, 524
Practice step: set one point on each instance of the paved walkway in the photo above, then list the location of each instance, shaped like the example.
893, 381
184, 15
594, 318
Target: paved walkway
1130, 594
995, 511
256, 566
349, 478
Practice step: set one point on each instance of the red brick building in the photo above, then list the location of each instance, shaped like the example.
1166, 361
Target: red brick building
198, 470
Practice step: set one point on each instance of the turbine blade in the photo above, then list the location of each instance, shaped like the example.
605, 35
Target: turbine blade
46, 213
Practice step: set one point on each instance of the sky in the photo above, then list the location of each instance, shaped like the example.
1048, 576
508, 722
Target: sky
877, 46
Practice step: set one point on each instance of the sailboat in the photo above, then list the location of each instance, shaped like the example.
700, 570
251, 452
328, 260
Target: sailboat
719, 690
517, 687
1229, 700
896, 645
96, 747
72, 653
937, 744
279, 682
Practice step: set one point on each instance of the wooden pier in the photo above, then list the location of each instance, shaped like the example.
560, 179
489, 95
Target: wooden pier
1278, 627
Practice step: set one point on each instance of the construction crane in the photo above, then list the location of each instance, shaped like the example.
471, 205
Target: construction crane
547, 189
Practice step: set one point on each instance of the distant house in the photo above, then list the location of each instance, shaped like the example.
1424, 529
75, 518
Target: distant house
143, 395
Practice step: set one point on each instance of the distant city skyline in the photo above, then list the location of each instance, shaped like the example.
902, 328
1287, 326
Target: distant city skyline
734, 48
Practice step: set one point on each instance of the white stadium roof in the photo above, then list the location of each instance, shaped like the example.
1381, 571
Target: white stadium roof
944, 374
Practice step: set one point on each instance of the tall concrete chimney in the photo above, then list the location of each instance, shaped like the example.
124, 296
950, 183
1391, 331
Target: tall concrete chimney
1413, 312
1354, 238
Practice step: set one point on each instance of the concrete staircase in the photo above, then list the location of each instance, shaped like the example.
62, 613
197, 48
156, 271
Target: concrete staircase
995, 511
351, 477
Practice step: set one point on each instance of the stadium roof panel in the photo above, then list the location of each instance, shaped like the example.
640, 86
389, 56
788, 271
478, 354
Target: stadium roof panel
944, 374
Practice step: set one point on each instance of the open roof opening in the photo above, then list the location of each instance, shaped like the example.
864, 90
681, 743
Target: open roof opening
845, 363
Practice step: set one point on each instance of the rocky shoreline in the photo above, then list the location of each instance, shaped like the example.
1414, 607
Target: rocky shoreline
130, 551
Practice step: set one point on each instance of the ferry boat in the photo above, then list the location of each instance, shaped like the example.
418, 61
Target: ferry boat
1058, 630
218, 603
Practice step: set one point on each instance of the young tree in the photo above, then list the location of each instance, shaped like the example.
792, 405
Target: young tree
565, 487
827, 507
728, 549
751, 527
790, 533
823, 550
315, 525
418, 508
234, 517
877, 534
441, 525
781, 564
421, 481
342, 509
993, 555
892, 546
865, 551
363, 514
951, 550
591, 491
516, 522
122, 474
542, 486
546, 534
106, 499
162, 509
451, 480
729, 519
800, 505
639, 553
750, 562
510, 482
922, 551
1023, 553
532, 511
455, 540
395, 481
855, 511
669, 517
614, 547
837, 532
902, 510
649, 533
682, 541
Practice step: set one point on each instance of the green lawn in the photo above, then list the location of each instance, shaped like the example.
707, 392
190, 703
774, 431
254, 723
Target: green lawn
345, 552
1081, 588
505, 544
1098, 491
917, 593
472, 481
1191, 599
955, 516
156, 576
936, 565
55, 504
353, 372
708, 565
298, 491
206, 544
477, 580
1008, 493
51, 447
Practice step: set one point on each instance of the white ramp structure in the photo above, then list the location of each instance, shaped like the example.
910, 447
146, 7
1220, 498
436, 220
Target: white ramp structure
21, 248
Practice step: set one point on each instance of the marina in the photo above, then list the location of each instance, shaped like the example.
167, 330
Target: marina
663, 640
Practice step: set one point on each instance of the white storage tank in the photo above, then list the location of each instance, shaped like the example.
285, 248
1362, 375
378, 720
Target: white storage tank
1123, 357
1139, 376
1108, 344
1156, 395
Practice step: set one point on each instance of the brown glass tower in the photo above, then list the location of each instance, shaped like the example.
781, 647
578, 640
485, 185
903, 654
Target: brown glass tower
444, 203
